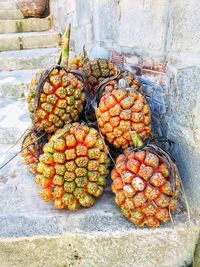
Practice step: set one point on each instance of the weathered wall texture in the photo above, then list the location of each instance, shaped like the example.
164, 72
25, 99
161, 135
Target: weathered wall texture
167, 30
160, 28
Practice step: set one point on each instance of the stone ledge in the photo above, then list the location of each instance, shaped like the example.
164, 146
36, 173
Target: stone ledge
29, 40
10, 14
46, 244
25, 25
8, 4
149, 248
99, 236
28, 59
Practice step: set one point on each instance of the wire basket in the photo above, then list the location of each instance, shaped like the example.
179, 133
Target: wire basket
32, 8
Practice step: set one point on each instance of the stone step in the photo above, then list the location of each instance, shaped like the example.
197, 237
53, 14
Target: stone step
25, 25
7, 4
14, 120
28, 59
29, 40
10, 14
99, 236
14, 84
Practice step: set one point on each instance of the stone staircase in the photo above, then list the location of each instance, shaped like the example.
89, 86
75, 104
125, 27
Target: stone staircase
33, 233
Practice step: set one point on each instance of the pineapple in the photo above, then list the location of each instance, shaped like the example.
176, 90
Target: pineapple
122, 115
58, 100
143, 186
73, 167
125, 79
32, 148
57, 95
98, 70
76, 63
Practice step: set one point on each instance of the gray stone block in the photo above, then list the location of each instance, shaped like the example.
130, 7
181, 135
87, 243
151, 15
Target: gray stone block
183, 127
7, 4
188, 158
185, 25
28, 40
28, 59
105, 21
142, 24
183, 95
10, 14
25, 25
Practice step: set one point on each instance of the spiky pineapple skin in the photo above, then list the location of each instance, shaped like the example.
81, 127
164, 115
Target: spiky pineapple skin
61, 100
32, 148
141, 183
76, 63
127, 79
98, 70
73, 167
122, 114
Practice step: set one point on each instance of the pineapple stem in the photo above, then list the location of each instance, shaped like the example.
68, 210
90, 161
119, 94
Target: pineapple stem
65, 47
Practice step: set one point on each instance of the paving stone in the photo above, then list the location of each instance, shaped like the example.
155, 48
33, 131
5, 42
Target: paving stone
14, 118
15, 84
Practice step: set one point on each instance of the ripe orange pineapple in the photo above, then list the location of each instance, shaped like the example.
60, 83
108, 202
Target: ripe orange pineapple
99, 69
32, 148
76, 63
143, 186
57, 95
60, 100
73, 168
122, 115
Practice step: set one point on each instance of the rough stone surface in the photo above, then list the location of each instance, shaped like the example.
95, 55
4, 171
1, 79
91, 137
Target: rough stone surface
144, 18
105, 21
188, 158
14, 119
185, 25
15, 83
28, 59
183, 90
25, 25
28, 40
183, 127
10, 14
99, 236
6, 5
163, 29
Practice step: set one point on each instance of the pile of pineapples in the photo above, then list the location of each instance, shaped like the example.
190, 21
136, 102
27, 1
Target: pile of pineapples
70, 155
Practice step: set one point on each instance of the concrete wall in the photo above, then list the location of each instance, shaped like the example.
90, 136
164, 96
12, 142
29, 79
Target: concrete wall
166, 30
160, 28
